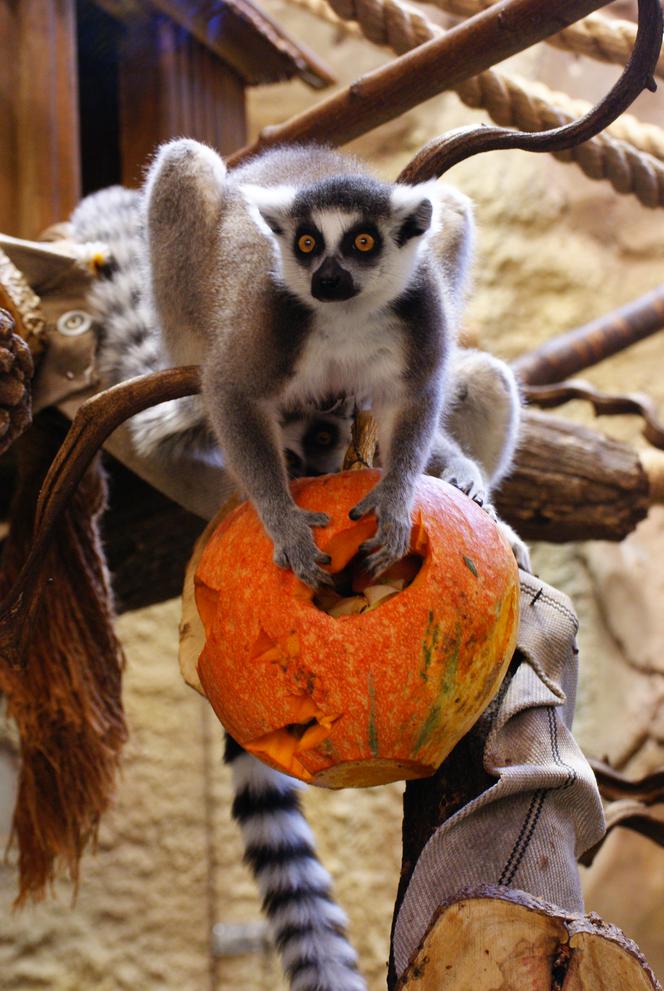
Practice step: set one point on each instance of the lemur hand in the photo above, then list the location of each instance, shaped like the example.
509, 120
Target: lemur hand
392, 538
295, 548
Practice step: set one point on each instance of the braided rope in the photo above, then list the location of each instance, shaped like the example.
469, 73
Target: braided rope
602, 38
628, 157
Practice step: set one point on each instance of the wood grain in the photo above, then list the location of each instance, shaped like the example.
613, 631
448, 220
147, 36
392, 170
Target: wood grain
494, 938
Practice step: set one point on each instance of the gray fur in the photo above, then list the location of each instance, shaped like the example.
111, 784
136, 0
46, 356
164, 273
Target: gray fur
228, 294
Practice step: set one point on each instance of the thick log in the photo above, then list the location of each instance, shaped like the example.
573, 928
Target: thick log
466, 50
490, 938
572, 483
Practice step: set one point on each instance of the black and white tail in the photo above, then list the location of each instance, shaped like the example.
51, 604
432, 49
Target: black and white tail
129, 342
308, 927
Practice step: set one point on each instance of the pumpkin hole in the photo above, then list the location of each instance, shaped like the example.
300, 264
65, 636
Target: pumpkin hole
355, 591
280, 747
207, 602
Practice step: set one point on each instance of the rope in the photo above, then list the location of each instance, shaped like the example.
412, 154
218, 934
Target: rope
630, 155
602, 38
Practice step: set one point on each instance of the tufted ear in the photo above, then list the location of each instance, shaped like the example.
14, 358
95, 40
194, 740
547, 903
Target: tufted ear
413, 210
270, 205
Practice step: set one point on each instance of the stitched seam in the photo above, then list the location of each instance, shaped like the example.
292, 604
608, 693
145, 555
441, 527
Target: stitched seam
525, 836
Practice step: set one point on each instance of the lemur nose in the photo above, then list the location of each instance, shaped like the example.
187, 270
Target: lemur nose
332, 282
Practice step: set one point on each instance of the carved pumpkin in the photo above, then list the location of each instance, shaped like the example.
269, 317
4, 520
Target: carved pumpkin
378, 690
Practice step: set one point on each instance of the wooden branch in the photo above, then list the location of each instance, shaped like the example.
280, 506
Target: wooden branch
364, 441
95, 421
431, 801
615, 786
571, 483
603, 403
466, 50
570, 353
443, 153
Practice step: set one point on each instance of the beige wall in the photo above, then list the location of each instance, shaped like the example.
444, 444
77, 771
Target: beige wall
554, 250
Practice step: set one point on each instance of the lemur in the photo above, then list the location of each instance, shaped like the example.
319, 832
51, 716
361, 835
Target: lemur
297, 278
482, 415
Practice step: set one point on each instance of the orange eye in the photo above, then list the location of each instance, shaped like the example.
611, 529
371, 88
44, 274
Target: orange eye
306, 244
364, 242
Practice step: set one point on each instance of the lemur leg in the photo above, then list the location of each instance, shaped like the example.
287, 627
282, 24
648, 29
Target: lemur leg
185, 194
403, 433
483, 416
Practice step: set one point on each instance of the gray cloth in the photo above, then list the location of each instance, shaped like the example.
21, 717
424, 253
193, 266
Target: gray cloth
527, 830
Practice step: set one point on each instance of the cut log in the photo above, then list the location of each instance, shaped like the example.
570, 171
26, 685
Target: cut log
497, 938
572, 483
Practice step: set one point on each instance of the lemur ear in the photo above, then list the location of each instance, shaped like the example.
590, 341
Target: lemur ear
270, 205
413, 209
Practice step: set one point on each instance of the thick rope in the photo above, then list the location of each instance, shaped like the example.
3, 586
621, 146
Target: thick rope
630, 157
602, 38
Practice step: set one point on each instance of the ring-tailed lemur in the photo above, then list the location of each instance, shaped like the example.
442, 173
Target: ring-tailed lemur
298, 276
483, 415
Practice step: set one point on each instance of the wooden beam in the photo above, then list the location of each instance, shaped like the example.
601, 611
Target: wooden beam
40, 184
464, 51
248, 40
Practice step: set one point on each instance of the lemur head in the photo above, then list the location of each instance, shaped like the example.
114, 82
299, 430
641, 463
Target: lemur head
316, 440
345, 237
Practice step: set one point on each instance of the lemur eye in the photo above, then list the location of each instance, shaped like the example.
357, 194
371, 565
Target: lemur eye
306, 244
323, 438
364, 242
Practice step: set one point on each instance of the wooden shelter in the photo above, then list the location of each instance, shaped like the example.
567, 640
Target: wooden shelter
97, 84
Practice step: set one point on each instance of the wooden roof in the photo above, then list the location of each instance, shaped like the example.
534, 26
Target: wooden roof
239, 33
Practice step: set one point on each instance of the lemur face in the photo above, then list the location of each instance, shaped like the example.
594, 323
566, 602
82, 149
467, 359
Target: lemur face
315, 442
344, 237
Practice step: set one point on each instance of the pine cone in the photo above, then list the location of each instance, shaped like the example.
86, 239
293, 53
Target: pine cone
16, 370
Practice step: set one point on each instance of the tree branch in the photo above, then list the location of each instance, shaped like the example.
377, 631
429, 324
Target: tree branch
578, 349
440, 64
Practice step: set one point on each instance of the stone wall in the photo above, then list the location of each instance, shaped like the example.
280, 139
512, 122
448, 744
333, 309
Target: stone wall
554, 250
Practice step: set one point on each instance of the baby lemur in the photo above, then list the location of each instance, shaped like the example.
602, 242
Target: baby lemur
295, 279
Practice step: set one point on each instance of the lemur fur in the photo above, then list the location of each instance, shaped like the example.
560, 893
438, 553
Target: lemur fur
297, 277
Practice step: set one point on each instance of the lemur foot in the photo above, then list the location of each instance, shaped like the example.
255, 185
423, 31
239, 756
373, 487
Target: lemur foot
392, 538
520, 549
470, 483
452, 466
295, 548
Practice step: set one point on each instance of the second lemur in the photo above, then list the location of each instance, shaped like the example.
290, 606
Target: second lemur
296, 278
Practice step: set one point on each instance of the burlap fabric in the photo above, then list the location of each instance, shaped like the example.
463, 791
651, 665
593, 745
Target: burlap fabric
527, 830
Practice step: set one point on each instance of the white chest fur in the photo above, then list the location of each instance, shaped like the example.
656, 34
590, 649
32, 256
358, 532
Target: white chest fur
350, 351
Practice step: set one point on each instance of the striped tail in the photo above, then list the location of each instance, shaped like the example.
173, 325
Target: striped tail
308, 927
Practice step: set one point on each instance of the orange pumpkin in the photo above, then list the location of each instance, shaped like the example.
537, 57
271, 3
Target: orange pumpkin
366, 697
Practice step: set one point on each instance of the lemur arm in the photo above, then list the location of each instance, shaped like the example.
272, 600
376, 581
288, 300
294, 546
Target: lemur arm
249, 436
404, 433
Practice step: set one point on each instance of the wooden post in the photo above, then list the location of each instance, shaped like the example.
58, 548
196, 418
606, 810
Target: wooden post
40, 174
170, 85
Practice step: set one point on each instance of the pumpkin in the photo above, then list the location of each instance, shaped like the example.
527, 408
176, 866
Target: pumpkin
376, 690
